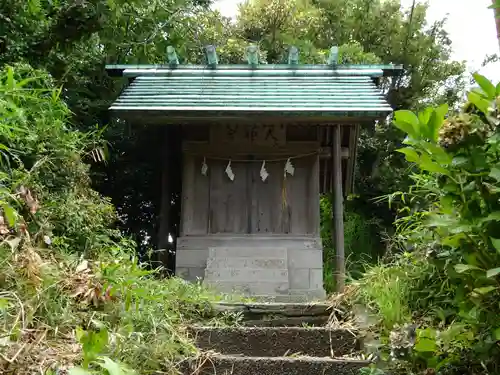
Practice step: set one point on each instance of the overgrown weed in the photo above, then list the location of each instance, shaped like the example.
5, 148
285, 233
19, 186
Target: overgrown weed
72, 292
436, 304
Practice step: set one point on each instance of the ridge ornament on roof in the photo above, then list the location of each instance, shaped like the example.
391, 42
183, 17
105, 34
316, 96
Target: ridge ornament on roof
327, 91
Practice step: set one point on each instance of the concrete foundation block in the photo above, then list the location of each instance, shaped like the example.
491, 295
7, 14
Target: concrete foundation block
246, 274
280, 268
299, 278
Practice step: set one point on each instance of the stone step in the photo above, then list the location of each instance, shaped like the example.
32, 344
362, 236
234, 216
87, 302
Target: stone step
308, 321
275, 341
276, 314
237, 365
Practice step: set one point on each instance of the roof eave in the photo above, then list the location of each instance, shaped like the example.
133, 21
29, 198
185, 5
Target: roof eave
134, 70
325, 115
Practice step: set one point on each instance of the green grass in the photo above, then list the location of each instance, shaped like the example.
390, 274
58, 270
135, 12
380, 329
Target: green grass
52, 295
386, 291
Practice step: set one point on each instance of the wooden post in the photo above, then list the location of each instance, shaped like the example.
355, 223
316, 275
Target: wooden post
338, 209
164, 217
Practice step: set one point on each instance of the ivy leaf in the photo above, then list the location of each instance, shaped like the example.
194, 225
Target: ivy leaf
486, 85
482, 104
485, 290
411, 155
462, 268
408, 122
493, 272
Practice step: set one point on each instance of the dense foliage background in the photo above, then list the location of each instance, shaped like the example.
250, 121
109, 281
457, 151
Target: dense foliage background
427, 263
74, 40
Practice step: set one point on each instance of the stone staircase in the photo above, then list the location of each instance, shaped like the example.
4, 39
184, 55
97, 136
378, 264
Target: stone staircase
274, 341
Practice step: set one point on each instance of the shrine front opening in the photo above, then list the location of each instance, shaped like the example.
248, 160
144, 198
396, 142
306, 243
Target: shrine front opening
259, 146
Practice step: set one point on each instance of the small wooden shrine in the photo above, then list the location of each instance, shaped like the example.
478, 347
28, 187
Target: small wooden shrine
260, 143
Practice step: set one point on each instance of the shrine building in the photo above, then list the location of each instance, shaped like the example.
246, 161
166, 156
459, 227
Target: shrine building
260, 144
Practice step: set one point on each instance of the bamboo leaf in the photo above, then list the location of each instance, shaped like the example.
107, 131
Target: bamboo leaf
485, 290
462, 268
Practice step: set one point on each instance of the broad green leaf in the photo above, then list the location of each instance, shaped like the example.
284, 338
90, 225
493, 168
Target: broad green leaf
496, 244
111, 366
486, 85
425, 115
408, 122
436, 121
462, 268
494, 216
425, 345
4, 304
485, 290
78, 371
495, 173
454, 240
498, 89
10, 214
411, 155
496, 334
11, 82
115, 368
493, 272
427, 164
482, 104
438, 153
460, 160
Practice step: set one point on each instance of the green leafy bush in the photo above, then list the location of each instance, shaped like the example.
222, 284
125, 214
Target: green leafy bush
446, 282
71, 290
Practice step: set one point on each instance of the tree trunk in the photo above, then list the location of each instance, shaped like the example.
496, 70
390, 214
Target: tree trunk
496, 12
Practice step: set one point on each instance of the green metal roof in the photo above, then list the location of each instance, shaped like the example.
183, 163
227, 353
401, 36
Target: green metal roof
339, 92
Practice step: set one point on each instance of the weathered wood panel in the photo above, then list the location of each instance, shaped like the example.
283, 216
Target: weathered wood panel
255, 134
195, 202
314, 209
297, 189
215, 204
266, 198
229, 201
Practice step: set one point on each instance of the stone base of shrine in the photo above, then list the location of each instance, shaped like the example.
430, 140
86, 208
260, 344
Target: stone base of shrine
275, 267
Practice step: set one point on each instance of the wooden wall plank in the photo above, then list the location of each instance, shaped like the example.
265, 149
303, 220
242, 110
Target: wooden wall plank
228, 199
266, 198
194, 218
